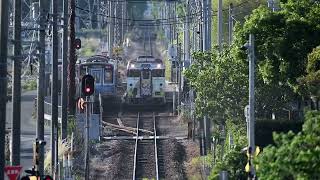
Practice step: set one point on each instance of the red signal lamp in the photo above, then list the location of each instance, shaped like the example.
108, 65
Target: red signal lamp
77, 43
88, 89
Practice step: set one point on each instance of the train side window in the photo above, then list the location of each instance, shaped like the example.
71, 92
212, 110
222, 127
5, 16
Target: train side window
133, 73
108, 76
158, 73
145, 74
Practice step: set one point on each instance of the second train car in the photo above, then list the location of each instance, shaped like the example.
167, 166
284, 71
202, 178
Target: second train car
104, 71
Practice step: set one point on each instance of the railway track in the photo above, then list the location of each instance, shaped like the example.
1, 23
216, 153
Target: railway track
146, 157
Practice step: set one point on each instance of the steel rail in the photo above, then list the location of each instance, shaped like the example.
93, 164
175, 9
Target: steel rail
135, 150
155, 146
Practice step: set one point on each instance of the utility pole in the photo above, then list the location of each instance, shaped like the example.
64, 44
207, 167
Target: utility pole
87, 168
251, 56
72, 58
209, 24
41, 83
230, 24
4, 16
220, 20
16, 88
187, 35
64, 87
205, 24
54, 88
111, 26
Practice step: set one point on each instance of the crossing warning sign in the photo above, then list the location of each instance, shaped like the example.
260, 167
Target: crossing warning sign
13, 171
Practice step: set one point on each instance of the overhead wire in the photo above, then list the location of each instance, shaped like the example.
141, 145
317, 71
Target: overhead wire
154, 22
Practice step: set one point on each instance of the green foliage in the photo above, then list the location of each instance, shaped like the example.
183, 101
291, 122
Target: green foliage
30, 85
242, 8
233, 160
89, 47
220, 81
283, 41
310, 83
314, 60
294, 156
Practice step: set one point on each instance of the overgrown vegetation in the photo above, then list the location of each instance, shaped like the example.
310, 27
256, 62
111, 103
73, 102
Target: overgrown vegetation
89, 47
294, 156
287, 72
30, 85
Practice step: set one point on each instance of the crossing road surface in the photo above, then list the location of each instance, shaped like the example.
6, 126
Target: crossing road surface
28, 127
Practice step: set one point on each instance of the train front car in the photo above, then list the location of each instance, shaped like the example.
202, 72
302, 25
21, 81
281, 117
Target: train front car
145, 82
104, 71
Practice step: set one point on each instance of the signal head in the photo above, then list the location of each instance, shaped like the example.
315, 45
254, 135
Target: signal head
87, 85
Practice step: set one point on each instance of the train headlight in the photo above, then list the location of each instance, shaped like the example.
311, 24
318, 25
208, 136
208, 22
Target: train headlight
132, 65
158, 65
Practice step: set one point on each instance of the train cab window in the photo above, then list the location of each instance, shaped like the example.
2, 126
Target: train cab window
146, 74
133, 73
108, 76
96, 73
157, 73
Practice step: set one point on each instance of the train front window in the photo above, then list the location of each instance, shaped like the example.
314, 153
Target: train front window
158, 73
96, 73
108, 76
145, 74
133, 73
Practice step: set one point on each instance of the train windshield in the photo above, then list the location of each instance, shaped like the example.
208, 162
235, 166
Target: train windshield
133, 73
158, 73
108, 76
97, 73
145, 74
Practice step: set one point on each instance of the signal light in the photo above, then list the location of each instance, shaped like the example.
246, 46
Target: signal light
87, 85
77, 43
88, 89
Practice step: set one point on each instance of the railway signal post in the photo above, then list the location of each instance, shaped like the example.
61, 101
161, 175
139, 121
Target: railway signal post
87, 88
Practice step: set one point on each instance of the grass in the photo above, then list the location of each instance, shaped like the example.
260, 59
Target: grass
62, 149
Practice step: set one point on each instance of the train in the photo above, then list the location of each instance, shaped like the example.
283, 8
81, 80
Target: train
105, 72
145, 82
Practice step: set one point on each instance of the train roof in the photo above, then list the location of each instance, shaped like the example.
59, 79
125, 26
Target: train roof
96, 59
156, 64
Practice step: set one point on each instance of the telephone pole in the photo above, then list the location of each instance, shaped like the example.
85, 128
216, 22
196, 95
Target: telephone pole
41, 82
230, 24
111, 26
209, 24
251, 139
54, 88
16, 86
220, 20
205, 24
72, 58
64, 86
4, 16
187, 35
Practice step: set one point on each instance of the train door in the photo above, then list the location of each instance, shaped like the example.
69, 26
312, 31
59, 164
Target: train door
146, 89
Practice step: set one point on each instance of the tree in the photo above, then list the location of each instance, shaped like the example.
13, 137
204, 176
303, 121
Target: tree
295, 156
309, 85
219, 81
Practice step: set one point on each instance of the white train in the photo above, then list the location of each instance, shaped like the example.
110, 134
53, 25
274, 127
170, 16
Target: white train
145, 81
